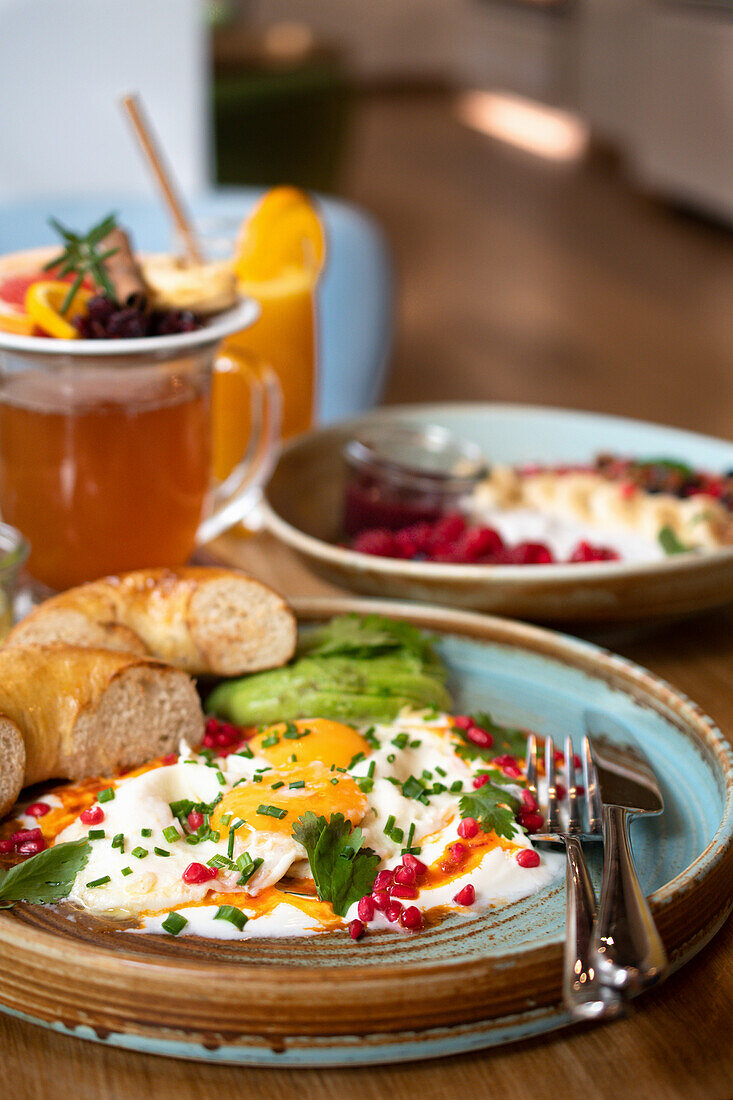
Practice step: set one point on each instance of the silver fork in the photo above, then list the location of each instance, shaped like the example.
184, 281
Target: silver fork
583, 996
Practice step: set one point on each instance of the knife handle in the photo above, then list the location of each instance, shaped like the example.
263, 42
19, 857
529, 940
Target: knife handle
584, 998
627, 951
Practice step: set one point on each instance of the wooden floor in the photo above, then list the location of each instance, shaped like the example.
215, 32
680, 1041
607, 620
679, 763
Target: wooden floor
514, 270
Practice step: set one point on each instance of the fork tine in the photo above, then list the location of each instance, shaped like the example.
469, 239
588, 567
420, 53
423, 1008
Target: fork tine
592, 794
573, 808
553, 816
531, 768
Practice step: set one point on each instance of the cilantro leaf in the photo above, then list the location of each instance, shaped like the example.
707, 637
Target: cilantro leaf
670, 543
46, 877
493, 808
507, 739
343, 870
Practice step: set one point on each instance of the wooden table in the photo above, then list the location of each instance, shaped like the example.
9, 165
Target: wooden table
530, 282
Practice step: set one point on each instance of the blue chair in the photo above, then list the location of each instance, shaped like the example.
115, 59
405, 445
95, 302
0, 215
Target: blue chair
356, 296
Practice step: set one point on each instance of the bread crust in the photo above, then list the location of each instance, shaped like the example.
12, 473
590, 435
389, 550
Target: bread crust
12, 764
207, 621
58, 697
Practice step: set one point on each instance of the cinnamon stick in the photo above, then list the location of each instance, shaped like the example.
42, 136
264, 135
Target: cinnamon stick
123, 270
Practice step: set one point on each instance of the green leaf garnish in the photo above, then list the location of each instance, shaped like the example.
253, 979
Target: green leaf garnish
670, 543
494, 809
81, 255
47, 877
342, 869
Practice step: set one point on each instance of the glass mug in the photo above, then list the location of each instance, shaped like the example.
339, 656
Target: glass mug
106, 449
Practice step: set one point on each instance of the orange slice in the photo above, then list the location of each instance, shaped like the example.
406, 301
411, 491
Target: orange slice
12, 320
43, 302
283, 234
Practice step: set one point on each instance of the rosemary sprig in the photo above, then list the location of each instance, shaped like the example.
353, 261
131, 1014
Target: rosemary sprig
81, 255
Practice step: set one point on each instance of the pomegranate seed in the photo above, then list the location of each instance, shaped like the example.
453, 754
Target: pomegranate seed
209, 741
22, 835
480, 737
417, 865
528, 858
197, 873
195, 820
457, 853
466, 896
480, 781
31, 847
577, 762
365, 908
171, 758
579, 790
532, 822
400, 891
411, 918
38, 809
92, 816
405, 875
468, 828
559, 758
212, 724
393, 910
561, 790
6, 846
463, 721
356, 929
381, 900
529, 801
383, 880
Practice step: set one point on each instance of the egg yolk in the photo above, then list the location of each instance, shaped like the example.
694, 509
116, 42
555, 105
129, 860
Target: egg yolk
275, 804
310, 739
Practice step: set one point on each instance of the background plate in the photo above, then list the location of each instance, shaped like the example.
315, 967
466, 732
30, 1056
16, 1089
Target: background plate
470, 983
304, 507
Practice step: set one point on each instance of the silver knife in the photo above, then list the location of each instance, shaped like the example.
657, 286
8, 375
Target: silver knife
627, 951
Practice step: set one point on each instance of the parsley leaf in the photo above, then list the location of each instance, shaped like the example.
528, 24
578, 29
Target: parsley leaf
507, 739
493, 808
46, 877
343, 871
670, 543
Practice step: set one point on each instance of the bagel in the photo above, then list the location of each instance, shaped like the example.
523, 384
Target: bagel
80, 712
206, 621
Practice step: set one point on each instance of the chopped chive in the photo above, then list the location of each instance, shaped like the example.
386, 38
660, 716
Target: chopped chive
230, 842
412, 788
267, 768
96, 834
246, 752
106, 795
220, 777
256, 779
171, 834
268, 743
365, 784
369, 736
297, 785
293, 758
371, 769
233, 915
411, 834
146, 832
457, 786
139, 853
415, 744
174, 923
391, 758
221, 862
161, 851
292, 733
438, 788
126, 871
119, 841
426, 774
397, 835
334, 782
390, 825
226, 818
355, 759
99, 882
277, 786
391, 779
193, 839
441, 771
400, 741
271, 811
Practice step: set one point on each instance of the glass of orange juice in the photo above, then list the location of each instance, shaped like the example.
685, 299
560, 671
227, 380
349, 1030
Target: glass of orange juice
278, 258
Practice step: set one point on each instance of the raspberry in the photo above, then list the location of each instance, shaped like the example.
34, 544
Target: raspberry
377, 541
585, 551
448, 529
480, 542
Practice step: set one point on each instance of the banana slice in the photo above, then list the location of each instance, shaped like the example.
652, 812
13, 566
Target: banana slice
203, 288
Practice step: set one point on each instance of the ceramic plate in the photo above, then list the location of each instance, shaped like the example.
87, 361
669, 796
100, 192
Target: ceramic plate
472, 982
304, 497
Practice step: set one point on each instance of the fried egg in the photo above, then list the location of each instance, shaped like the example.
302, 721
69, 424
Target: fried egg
231, 818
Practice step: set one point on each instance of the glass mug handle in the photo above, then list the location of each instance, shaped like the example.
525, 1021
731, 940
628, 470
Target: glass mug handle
236, 496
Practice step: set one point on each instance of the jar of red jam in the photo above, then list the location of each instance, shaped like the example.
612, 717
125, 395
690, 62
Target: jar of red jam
400, 474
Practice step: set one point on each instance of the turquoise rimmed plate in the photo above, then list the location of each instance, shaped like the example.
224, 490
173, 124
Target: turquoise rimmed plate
469, 983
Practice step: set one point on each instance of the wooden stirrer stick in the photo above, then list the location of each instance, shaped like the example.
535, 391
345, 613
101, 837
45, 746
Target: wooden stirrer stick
154, 156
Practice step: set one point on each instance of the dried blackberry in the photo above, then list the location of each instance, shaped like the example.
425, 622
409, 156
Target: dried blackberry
105, 319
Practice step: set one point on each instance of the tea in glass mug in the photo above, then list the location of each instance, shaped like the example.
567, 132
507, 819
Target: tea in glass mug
106, 449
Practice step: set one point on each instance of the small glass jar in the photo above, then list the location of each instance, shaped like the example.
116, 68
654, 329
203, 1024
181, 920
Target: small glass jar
14, 552
401, 474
